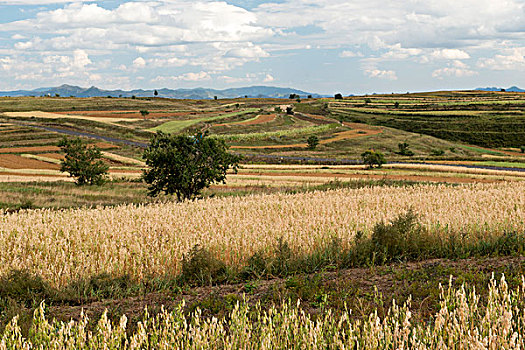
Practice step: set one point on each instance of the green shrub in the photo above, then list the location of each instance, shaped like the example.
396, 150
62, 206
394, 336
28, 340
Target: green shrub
372, 158
24, 287
200, 267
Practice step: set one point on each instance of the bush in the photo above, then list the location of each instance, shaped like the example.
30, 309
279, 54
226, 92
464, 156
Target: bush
24, 287
437, 152
522, 148
403, 149
338, 97
401, 239
373, 158
312, 142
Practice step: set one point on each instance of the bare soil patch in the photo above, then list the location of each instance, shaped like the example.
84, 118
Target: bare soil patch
261, 119
13, 161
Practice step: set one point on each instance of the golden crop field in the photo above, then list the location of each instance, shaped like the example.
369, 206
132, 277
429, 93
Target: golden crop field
147, 240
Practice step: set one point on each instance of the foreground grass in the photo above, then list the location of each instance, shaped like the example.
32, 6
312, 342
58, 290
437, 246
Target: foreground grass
464, 319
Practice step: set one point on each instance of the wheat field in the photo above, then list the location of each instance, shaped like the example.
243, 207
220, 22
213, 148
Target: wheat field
147, 240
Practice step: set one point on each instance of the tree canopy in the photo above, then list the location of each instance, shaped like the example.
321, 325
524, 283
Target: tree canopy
84, 162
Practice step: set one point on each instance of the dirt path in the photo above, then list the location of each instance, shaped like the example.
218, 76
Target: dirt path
348, 287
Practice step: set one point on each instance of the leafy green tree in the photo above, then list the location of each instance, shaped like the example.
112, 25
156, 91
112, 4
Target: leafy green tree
338, 96
372, 158
185, 165
522, 148
144, 113
312, 142
83, 162
155, 93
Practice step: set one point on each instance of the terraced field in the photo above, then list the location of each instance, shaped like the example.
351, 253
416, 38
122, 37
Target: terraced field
481, 118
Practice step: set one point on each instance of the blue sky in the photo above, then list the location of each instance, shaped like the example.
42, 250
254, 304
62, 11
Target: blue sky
325, 46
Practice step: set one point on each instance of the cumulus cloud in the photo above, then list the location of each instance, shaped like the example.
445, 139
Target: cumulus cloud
450, 54
139, 62
216, 37
511, 59
456, 69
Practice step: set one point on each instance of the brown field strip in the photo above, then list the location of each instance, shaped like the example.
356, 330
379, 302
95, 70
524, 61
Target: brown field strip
134, 114
58, 156
13, 161
29, 149
260, 119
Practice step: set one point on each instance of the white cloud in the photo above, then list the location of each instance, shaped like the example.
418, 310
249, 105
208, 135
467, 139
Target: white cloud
248, 51
38, 2
199, 76
139, 62
511, 59
450, 54
268, 78
349, 54
456, 69
381, 74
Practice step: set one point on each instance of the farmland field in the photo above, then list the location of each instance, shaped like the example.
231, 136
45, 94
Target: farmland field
423, 252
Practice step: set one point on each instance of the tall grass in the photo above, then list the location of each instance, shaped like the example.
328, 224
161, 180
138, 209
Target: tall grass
462, 322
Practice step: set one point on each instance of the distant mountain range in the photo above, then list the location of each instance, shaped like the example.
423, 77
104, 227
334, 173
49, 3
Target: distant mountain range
197, 94
511, 89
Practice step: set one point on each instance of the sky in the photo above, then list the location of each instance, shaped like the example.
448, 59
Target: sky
321, 46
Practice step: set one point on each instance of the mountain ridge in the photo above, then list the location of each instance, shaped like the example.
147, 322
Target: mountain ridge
196, 93
510, 89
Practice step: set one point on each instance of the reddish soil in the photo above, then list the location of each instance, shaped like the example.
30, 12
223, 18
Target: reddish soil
446, 179
9, 173
13, 161
29, 149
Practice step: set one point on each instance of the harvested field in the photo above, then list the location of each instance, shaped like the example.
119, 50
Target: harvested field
49, 115
13, 161
31, 149
126, 115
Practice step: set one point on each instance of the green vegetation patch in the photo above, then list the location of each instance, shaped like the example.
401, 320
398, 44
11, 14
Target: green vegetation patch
176, 126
